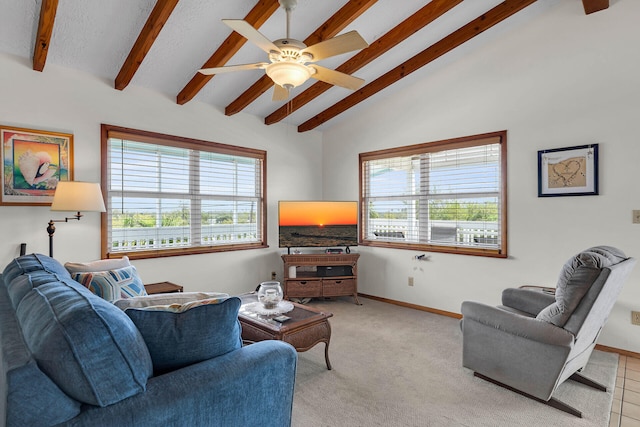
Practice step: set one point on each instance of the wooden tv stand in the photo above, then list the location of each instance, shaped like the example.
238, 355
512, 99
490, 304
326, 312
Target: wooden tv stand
310, 283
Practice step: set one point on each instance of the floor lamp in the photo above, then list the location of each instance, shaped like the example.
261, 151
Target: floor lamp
74, 196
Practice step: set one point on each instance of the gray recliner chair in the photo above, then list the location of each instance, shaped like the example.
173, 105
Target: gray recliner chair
536, 339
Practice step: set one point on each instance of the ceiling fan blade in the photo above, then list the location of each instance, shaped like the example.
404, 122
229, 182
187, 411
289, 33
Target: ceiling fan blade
343, 43
336, 78
247, 31
280, 93
228, 68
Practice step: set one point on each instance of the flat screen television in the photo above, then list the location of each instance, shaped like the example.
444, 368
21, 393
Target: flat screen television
303, 224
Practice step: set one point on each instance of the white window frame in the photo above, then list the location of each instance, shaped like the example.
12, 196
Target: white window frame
195, 242
418, 231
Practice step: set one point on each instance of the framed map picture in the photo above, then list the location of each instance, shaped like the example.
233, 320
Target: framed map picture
33, 162
570, 171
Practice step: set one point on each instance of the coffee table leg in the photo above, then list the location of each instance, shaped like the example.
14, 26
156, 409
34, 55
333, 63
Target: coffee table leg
326, 355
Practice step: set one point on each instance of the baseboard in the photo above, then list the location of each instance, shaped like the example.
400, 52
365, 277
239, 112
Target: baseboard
617, 350
414, 306
459, 316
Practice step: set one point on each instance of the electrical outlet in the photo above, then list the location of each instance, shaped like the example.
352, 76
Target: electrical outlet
635, 317
636, 217
410, 281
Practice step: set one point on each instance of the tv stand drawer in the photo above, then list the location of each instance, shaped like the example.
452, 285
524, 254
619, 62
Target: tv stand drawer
304, 288
338, 287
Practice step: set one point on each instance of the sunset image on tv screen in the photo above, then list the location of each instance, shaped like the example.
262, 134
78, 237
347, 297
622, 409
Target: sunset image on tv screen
318, 213
317, 223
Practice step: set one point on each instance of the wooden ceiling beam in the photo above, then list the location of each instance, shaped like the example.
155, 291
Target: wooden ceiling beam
591, 6
48, 11
465, 33
427, 14
158, 17
256, 17
338, 22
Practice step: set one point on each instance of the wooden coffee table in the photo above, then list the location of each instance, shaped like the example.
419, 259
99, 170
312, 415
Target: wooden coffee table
306, 328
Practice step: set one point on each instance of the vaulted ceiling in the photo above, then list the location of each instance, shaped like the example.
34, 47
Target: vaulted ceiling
161, 44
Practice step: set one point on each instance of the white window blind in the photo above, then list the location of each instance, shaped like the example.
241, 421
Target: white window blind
445, 196
175, 197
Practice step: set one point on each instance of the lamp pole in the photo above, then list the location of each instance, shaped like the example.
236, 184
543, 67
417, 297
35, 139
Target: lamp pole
51, 228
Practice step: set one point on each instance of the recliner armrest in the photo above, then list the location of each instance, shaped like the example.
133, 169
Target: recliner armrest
515, 324
530, 301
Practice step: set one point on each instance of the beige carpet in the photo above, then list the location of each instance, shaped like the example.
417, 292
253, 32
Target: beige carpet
394, 366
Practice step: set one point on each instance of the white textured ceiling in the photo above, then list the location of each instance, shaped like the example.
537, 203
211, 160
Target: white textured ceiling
95, 36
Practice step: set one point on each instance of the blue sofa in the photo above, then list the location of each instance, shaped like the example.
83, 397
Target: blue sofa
70, 358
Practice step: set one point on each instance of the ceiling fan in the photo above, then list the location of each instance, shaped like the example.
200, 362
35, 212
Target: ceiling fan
289, 58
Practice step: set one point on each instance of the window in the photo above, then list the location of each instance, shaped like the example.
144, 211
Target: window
444, 196
167, 195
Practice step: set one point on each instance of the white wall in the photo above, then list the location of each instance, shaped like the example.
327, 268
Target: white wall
68, 101
561, 79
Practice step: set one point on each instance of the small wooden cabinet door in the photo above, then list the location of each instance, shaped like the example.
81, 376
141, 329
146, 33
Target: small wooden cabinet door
338, 287
304, 288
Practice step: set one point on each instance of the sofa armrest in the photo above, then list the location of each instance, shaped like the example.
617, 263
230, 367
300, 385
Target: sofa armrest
514, 324
251, 386
530, 301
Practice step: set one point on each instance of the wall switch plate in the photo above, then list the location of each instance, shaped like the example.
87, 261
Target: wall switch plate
635, 317
636, 217
410, 281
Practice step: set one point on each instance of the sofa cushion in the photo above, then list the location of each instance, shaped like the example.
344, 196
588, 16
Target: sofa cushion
21, 376
98, 265
30, 263
165, 299
29, 271
112, 284
86, 345
21, 285
180, 335
576, 277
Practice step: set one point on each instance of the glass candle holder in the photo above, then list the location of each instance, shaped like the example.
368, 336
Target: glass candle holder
270, 294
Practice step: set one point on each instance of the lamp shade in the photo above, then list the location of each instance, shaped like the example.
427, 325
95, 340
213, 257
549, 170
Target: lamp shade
78, 196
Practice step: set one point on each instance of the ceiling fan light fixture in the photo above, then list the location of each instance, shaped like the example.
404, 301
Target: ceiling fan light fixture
288, 74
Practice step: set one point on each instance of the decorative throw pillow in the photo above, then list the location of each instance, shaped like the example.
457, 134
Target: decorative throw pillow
112, 284
165, 299
576, 277
88, 347
183, 334
99, 265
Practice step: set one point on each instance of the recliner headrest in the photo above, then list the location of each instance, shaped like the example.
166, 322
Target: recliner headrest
576, 277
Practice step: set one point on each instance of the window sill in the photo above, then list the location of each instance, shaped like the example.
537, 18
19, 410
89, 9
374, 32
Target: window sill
485, 252
161, 253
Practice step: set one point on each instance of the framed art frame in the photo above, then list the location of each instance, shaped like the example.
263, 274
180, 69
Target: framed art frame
569, 171
33, 162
